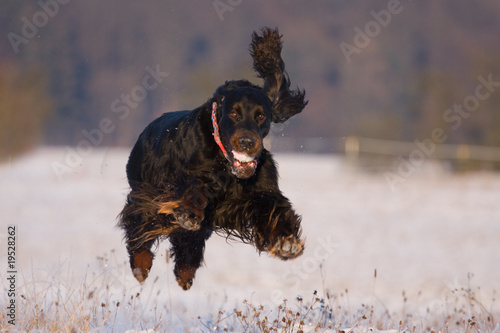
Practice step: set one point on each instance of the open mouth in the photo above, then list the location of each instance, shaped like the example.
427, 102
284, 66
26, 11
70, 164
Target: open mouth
243, 165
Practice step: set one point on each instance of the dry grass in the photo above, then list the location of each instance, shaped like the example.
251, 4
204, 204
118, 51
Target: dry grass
57, 301
462, 311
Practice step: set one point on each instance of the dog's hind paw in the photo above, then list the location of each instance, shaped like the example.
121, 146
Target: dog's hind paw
184, 276
287, 248
142, 262
140, 274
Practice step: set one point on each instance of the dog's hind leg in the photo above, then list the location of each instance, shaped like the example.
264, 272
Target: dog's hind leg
138, 246
142, 229
187, 251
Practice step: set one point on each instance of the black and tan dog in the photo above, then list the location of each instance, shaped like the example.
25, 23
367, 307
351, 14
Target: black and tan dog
195, 172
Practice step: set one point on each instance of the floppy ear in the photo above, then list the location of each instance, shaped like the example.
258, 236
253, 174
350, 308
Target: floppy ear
265, 50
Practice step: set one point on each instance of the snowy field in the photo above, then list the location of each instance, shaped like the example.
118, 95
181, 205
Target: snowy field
434, 242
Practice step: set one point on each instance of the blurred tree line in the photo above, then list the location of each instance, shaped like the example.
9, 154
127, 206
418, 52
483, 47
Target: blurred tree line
66, 65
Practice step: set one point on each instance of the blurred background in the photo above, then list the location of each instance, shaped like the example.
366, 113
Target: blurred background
391, 84
386, 70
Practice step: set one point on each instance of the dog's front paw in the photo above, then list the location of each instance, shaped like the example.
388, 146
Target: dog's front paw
186, 218
287, 247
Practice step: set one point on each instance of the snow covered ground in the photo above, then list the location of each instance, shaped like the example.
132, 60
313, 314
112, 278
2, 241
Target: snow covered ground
423, 239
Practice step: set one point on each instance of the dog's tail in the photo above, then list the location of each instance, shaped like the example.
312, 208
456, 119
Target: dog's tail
265, 50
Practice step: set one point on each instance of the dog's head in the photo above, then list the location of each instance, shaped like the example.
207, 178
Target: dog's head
244, 120
244, 111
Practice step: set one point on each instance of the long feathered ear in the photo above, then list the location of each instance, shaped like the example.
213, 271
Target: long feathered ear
265, 50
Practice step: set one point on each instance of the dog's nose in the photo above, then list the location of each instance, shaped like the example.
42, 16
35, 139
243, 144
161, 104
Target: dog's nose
247, 143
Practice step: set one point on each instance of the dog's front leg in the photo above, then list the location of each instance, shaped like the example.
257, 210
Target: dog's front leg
279, 234
267, 220
190, 212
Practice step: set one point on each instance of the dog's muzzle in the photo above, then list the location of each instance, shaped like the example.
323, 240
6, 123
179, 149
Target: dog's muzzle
243, 166
246, 149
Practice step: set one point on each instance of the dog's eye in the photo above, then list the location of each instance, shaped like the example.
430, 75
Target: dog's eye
261, 117
233, 114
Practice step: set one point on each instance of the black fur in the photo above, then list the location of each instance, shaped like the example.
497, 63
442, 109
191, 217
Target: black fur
183, 187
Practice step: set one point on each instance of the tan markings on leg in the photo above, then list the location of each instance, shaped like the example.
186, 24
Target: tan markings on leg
143, 260
147, 236
274, 227
168, 207
185, 276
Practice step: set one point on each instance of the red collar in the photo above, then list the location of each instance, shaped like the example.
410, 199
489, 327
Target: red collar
216, 131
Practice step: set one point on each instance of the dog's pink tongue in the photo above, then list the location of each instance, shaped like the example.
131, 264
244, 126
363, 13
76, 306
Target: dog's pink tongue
250, 164
244, 169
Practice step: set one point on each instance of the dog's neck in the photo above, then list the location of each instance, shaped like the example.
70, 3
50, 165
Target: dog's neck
216, 131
